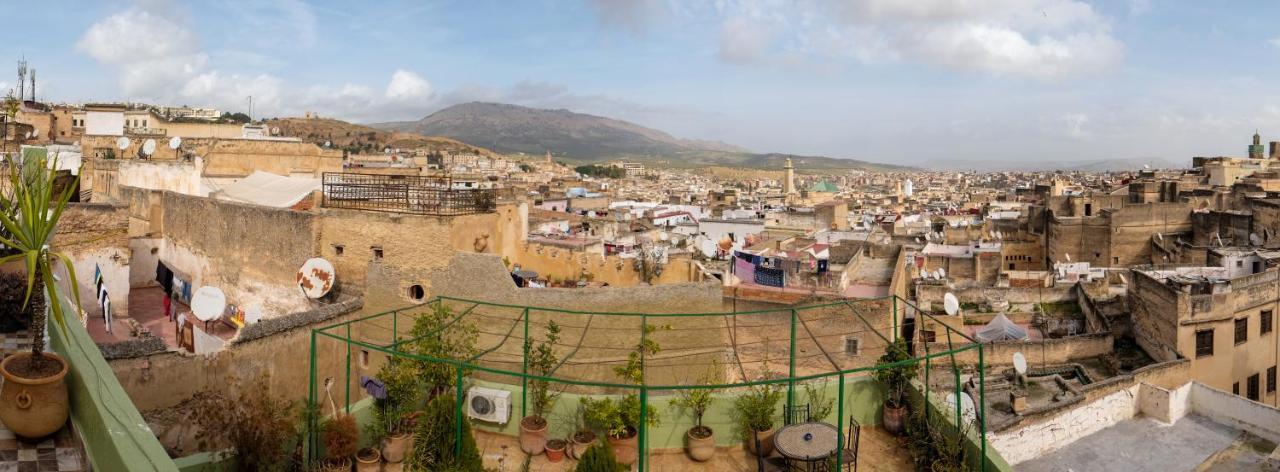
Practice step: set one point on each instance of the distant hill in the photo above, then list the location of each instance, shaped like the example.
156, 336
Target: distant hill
350, 136
1087, 165
583, 138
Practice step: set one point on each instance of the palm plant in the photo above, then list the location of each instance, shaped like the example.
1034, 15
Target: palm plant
30, 215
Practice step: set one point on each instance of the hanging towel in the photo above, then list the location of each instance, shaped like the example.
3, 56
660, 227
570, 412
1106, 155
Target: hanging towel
375, 387
164, 277
768, 276
744, 271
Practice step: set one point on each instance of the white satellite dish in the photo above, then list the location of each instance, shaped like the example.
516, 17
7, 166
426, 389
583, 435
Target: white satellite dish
1122, 279
951, 304
208, 303
174, 142
925, 275
316, 277
1160, 237
1068, 256
1020, 363
328, 144
122, 143
942, 273
148, 147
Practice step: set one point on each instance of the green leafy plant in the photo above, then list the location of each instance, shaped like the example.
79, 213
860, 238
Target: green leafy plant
30, 218
696, 401
542, 362
599, 458
434, 446
437, 334
621, 418
258, 430
820, 406
895, 372
756, 409
404, 388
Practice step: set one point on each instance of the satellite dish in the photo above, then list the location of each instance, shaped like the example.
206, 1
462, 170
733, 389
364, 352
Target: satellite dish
1255, 239
149, 147
275, 131
925, 275
1146, 166
1020, 363
1123, 280
208, 303
1160, 237
1068, 256
122, 143
951, 304
174, 142
942, 273
328, 144
316, 277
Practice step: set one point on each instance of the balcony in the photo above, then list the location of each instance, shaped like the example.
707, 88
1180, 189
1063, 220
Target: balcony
404, 194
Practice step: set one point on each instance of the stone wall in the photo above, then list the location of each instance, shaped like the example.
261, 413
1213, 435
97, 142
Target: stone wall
95, 236
1048, 351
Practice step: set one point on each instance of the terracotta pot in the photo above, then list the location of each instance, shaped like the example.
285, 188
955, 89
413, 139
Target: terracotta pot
766, 442
555, 450
626, 448
701, 448
338, 466
396, 446
893, 418
533, 437
33, 408
581, 441
368, 460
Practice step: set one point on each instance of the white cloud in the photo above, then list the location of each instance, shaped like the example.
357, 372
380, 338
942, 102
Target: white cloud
1076, 123
1275, 41
157, 57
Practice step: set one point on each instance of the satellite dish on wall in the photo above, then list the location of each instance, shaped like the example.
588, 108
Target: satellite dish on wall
122, 143
328, 144
951, 304
208, 303
1068, 256
1020, 363
316, 277
174, 142
1255, 239
148, 147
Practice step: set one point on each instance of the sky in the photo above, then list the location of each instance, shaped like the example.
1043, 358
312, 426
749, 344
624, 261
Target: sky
916, 82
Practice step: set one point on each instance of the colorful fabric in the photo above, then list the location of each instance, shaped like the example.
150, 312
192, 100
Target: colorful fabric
744, 270
768, 276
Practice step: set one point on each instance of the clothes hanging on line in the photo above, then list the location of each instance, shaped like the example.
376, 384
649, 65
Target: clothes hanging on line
769, 276
164, 277
104, 300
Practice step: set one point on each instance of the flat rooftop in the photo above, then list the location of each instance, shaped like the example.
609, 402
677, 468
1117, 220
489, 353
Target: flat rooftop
1146, 445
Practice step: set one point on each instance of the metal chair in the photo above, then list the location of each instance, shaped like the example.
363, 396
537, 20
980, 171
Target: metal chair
849, 456
797, 414
763, 464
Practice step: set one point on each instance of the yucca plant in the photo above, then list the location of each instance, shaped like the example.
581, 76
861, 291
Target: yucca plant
30, 212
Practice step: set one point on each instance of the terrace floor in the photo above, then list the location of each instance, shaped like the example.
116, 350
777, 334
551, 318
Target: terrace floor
62, 452
146, 307
1193, 443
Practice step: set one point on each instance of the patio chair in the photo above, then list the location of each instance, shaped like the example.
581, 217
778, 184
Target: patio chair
764, 464
849, 456
797, 414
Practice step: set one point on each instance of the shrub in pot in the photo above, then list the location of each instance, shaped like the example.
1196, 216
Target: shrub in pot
392, 424
368, 459
754, 411
339, 435
581, 440
599, 458
258, 433
619, 421
33, 398
895, 369
434, 446
542, 362
700, 440
555, 449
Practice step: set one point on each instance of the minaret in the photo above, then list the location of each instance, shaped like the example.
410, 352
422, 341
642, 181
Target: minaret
1255, 149
789, 182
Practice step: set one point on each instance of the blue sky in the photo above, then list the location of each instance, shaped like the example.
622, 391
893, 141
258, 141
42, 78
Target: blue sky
881, 80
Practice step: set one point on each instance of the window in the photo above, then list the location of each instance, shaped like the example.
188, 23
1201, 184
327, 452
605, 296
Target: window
1239, 263
1265, 320
1235, 388
417, 293
377, 253
364, 358
1242, 330
338, 249
1204, 343
1252, 388
928, 336
1271, 379
853, 346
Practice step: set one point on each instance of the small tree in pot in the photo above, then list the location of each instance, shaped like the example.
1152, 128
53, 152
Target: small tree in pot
701, 441
393, 414
33, 399
895, 369
542, 363
755, 413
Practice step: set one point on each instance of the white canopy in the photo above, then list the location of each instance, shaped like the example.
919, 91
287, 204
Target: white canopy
267, 189
1001, 329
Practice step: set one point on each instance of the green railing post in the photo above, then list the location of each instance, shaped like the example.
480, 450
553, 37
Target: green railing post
791, 364
457, 414
894, 337
982, 404
644, 396
840, 425
524, 379
395, 327
309, 450
347, 407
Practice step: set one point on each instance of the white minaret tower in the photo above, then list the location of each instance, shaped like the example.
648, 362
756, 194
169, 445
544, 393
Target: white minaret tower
789, 182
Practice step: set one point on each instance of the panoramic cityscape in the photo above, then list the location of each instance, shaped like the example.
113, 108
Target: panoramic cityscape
602, 235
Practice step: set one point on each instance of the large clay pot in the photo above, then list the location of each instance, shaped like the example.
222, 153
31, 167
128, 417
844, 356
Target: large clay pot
701, 443
33, 408
626, 449
396, 446
766, 442
893, 418
581, 441
368, 460
533, 435
555, 450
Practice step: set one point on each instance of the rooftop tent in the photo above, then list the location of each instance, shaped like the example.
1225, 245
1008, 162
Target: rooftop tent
1001, 329
267, 189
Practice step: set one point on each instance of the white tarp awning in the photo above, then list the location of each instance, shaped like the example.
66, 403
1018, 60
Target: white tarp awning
1002, 329
267, 189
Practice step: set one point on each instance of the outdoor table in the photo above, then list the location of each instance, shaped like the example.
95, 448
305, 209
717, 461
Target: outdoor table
809, 442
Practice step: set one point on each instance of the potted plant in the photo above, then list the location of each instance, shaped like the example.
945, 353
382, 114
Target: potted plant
555, 449
620, 420
599, 458
583, 438
393, 418
895, 370
33, 399
339, 435
368, 459
700, 440
542, 363
755, 414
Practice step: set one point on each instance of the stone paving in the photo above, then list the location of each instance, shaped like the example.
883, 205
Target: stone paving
61, 452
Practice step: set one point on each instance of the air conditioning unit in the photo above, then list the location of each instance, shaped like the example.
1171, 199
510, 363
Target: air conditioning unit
489, 404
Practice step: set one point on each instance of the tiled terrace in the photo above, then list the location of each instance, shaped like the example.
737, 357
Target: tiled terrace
62, 452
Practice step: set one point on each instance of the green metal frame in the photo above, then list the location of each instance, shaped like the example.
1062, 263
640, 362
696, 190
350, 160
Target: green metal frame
392, 348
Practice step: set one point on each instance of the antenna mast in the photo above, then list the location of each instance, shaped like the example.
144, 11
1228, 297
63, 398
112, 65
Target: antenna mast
33, 84
22, 79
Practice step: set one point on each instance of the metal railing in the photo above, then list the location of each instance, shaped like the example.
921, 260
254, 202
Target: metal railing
404, 194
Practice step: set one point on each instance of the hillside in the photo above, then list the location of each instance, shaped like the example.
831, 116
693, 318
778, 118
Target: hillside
360, 138
582, 138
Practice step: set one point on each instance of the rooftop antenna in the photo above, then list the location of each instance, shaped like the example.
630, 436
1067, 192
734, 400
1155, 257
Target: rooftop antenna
33, 84
22, 78
251, 108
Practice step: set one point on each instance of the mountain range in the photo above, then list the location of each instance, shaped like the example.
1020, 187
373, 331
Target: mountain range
583, 138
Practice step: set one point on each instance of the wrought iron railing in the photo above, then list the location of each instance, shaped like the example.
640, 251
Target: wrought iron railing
404, 194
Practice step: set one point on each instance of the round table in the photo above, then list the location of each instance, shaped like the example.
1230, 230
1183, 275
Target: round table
822, 442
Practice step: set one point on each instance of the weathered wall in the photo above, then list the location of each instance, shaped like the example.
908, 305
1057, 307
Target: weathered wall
1033, 440
562, 263
96, 236
1236, 411
1048, 351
